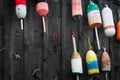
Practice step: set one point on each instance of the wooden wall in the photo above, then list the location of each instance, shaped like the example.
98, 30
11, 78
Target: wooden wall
32, 55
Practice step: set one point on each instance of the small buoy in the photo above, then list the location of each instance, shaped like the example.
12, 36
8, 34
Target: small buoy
42, 9
76, 8
92, 62
118, 31
108, 22
93, 13
21, 10
106, 63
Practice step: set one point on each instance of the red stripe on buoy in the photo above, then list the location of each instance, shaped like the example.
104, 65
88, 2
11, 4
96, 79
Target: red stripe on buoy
17, 2
108, 27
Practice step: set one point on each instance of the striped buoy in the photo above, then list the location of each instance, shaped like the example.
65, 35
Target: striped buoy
76, 61
93, 13
42, 9
108, 23
91, 60
21, 10
76, 8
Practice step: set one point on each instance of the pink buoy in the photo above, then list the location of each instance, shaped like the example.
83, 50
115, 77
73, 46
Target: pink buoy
42, 10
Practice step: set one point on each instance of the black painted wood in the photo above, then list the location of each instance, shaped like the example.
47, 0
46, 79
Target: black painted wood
34, 55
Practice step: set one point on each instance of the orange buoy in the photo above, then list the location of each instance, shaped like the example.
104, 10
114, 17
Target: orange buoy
118, 27
76, 8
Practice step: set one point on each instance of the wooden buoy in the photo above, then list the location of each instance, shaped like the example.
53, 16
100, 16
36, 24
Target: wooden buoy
21, 10
91, 60
94, 19
76, 61
118, 27
108, 22
76, 8
42, 9
106, 63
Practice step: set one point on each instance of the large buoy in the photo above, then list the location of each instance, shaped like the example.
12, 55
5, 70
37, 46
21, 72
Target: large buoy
42, 9
108, 22
76, 8
94, 19
91, 60
118, 27
21, 10
106, 63
93, 13
76, 61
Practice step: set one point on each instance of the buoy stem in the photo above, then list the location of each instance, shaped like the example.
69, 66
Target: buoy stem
43, 20
97, 38
74, 44
118, 13
104, 49
106, 75
89, 45
21, 21
77, 76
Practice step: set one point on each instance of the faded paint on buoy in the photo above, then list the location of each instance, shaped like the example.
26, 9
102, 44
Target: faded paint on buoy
93, 13
42, 8
76, 8
76, 63
108, 22
106, 63
21, 10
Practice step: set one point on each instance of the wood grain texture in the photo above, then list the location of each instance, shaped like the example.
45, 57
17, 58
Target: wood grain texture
47, 55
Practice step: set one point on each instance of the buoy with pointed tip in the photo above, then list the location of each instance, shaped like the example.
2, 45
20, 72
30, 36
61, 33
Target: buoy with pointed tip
108, 22
106, 63
91, 60
118, 27
21, 10
42, 9
76, 61
76, 8
94, 19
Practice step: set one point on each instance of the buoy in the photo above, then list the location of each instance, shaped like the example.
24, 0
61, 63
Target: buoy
118, 27
91, 60
21, 10
42, 9
76, 61
76, 8
93, 13
94, 19
108, 23
106, 63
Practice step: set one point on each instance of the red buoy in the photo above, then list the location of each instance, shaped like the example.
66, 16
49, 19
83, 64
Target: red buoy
21, 10
42, 10
76, 8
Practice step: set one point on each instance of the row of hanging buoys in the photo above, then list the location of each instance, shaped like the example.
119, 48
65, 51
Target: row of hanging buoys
108, 22
106, 63
42, 9
21, 10
76, 8
91, 60
76, 61
118, 27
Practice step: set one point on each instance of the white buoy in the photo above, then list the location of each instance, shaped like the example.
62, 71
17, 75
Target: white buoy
21, 10
108, 23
